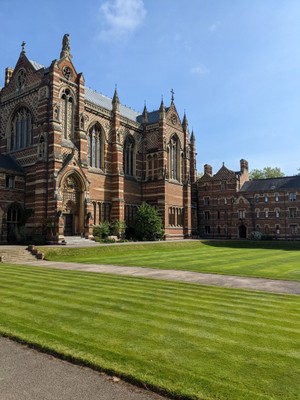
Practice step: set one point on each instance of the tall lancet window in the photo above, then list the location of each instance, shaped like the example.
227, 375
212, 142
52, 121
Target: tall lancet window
174, 159
95, 146
21, 130
67, 114
128, 160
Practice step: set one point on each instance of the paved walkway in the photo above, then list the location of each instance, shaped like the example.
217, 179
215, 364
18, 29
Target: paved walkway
267, 285
26, 374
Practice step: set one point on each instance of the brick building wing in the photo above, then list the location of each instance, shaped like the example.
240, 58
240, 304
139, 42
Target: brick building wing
71, 158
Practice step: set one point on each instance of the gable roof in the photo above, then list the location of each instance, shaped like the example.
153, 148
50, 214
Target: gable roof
8, 163
105, 102
257, 185
224, 173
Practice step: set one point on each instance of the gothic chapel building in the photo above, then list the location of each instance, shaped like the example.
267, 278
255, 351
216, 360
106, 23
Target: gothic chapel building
71, 158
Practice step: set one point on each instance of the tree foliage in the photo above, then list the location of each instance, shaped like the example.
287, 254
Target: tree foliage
148, 223
267, 172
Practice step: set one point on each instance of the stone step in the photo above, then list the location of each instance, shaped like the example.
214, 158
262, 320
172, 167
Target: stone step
15, 255
79, 241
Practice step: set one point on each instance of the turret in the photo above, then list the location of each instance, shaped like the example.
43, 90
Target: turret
145, 115
116, 102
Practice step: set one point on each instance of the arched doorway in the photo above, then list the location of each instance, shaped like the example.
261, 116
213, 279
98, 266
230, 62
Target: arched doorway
13, 221
242, 232
72, 211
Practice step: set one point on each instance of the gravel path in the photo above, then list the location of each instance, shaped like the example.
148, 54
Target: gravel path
267, 285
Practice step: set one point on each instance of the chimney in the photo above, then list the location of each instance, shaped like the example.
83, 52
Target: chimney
244, 171
208, 169
244, 165
8, 73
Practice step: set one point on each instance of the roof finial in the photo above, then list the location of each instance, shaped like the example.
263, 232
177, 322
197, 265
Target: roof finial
65, 51
23, 47
172, 98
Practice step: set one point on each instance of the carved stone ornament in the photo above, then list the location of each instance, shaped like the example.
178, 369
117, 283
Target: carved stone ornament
173, 119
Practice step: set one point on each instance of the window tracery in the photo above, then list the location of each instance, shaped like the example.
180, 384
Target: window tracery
21, 130
67, 113
95, 147
128, 160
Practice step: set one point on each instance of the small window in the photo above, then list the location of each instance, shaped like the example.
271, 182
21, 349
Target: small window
267, 213
266, 198
257, 213
276, 195
292, 196
257, 198
218, 214
292, 212
206, 201
207, 229
277, 213
206, 215
294, 229
241, 214
10, 182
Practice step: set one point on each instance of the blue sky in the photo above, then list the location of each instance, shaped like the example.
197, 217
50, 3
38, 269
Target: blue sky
234, 65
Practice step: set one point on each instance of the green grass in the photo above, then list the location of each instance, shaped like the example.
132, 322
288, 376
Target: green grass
277, 260
198, 342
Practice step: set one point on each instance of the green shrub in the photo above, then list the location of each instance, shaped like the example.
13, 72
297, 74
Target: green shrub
102, 231
148, 223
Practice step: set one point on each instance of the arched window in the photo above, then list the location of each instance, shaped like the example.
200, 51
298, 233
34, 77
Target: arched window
67, 114
95, 147
128, 158
174, 159
21, 132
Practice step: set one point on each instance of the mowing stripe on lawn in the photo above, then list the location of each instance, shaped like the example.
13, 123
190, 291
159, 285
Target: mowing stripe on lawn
188, 340
277, 260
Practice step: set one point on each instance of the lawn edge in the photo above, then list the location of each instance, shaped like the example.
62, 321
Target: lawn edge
108, 371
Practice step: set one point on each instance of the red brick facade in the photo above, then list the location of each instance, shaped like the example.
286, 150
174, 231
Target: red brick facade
71, 158
232, 206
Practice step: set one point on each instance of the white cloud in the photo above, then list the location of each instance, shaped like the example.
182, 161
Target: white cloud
199, 70
121, 18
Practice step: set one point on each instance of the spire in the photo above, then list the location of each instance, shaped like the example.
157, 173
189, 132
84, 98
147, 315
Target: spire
65, 50
185, 124
145, 114
162, 110
115, 100
192, 139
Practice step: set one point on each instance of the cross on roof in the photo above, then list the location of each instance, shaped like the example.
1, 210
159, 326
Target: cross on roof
23, 46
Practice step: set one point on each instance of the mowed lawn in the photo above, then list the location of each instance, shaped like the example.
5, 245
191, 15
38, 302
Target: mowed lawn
191, 341
277, 260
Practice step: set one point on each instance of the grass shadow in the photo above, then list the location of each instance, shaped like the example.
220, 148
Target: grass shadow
253, 244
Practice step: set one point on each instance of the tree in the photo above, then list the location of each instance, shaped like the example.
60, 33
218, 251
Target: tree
148, 223
267, 172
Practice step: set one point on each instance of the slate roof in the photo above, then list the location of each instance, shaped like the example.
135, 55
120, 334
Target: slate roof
36, 65
105, 102
8, 163
153, 116
258, 185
